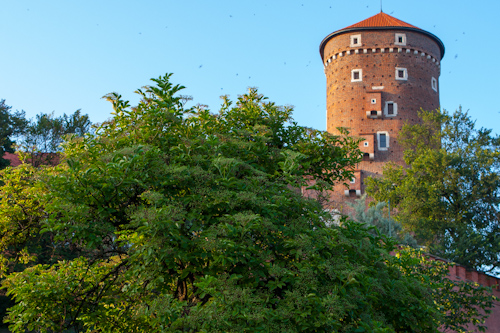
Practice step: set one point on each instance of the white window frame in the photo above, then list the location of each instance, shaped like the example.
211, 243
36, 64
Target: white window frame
386, 140
366, 144
394, 108
434, 84
374, 101
396, 39
353, 37
405, 73
353, 180
360, 75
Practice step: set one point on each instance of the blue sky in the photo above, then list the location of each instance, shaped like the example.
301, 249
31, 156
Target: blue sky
65, 55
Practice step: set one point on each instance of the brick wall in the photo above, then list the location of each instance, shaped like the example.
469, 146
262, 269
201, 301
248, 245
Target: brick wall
363, 106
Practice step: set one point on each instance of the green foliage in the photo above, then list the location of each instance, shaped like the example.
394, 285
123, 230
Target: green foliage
11, 124
375, 216
42, 136
461, 303
22, 212
449, 195
188, 221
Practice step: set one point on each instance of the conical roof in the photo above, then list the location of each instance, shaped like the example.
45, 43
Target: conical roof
380, 21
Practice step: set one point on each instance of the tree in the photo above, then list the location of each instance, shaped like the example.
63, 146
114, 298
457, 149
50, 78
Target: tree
42, 136
460, 303
375, 216
448, 196
188, 221
22, 212
11, 124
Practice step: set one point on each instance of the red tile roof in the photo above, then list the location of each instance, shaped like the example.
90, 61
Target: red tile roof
36, 159
381, 20
13, 158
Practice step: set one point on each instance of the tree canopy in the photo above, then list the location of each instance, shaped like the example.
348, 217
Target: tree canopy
179, 220
449, 195
11, 124
40, 137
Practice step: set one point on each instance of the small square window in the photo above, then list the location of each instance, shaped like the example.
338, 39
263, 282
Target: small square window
374, 101
400, 39
356, 75
401, 73
353, 181
434, 84
366, 144
355, 40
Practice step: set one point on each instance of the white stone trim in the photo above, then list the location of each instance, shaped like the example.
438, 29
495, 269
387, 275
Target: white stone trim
405, 73
386, 140
381, 50
355, 38
375, 115
397, 38
360, 78
394, 108
434, 84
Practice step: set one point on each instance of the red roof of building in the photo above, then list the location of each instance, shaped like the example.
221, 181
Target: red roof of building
13, 158
381, 20
36, 159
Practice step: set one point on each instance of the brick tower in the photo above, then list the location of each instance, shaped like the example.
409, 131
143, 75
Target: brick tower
379, 73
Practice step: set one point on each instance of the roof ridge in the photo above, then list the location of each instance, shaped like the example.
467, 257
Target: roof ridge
381, 20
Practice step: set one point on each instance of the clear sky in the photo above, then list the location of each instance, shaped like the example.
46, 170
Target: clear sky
65, 55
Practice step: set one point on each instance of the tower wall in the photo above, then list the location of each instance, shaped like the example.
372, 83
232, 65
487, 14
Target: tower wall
378, 80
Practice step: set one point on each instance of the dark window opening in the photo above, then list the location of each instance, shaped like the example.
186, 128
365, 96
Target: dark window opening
373, 113
400, 39
355, 41
355, 75
352, 193
390, 108
383, 140
401, 73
